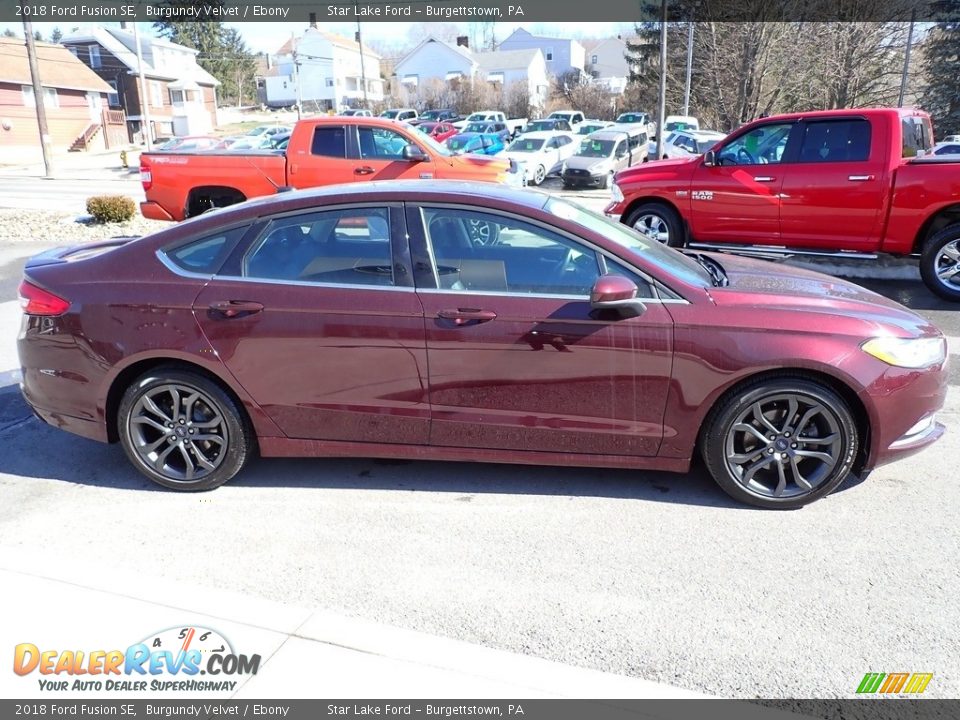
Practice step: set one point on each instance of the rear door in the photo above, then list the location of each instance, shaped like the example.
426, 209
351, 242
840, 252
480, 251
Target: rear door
316, 317
840, 172
379, 156
320, 158
737, 200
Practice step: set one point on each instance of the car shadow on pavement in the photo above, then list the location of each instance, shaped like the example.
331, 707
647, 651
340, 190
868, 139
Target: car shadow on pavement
35, 450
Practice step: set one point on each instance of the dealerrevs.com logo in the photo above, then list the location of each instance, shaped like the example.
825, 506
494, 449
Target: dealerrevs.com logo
170, 660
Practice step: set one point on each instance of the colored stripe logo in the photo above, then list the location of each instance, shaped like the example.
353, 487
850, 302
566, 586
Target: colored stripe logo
894, 683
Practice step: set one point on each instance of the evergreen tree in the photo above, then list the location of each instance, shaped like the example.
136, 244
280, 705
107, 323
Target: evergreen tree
941, 95
56, 35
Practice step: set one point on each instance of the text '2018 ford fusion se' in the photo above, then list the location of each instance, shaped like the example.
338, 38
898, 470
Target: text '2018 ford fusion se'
453, 321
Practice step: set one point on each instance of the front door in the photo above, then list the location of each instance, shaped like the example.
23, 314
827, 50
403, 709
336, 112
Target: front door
318, 320
380, 157
738, 198
517, 358
320, 157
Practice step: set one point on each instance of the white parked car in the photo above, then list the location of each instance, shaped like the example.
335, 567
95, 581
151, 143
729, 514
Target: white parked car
400, 114
683, 143
948, 147
951, 139
541, 153
672, 123
574, 117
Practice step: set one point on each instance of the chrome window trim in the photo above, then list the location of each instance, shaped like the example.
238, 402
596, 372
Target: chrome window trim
307, 283
177, 270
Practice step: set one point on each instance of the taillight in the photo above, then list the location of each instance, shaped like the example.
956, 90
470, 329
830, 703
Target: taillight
37, 301
146, 176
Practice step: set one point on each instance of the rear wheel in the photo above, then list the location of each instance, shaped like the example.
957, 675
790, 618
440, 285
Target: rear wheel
658, 222
182, 430
780, 443
539, 175
940, 263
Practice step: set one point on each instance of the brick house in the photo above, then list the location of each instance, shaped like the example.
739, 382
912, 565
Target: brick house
181, 95
74, 97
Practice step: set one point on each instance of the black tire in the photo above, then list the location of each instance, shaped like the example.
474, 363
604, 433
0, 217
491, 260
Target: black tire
935, 260
605, 183
743, 464
539, 175
670, 218
212, 430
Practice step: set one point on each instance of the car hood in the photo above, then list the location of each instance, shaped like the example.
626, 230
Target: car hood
520, 157
474, 158
579, 162
770, 285
652, 169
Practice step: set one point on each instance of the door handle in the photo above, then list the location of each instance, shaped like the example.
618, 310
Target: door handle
462, 316
764, 178
363, 170
860, 178
236, 308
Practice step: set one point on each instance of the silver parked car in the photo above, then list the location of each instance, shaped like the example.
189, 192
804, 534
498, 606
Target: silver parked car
600, 156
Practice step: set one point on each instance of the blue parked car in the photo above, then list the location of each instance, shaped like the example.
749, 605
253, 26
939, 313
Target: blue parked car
475, 143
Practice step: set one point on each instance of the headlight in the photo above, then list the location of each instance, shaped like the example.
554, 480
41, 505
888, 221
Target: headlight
616, 193
908, 352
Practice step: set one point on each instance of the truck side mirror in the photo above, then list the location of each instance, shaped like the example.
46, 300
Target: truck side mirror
709, 158
414, 153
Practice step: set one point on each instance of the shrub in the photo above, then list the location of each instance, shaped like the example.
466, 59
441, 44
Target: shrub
111, 208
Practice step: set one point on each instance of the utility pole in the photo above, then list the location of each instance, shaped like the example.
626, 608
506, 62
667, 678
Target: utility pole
686, 92
663, 77
363, 72
906, 59
296, 80
144, 100
38, 98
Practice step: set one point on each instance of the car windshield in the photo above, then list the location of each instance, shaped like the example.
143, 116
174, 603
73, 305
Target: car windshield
629, 118
458, 143
525, 145
391, 114
672, 261
679, 125
596, 149
541, 125
431, 115
587, 129
477, 116
477, 128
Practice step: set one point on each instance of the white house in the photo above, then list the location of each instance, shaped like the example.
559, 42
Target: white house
331, 73
435, 59
607, 63
562, 55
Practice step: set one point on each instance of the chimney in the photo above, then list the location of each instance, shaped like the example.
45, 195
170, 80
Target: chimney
313, 20
356, 37
123, 24
463, 41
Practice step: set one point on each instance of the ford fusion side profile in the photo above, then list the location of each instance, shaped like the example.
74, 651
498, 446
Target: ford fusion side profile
476, 322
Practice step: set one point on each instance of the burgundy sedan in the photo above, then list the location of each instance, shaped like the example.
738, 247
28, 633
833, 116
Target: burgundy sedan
456, 321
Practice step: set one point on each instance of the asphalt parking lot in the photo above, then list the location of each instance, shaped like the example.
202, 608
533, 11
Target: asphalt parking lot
647, 574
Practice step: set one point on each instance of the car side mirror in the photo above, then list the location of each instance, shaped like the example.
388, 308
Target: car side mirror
615, 292
709, 158
414, 153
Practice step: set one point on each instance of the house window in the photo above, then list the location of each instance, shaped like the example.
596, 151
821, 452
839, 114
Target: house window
50, 98
94, 51
329, 82
73, 50
156, 94
593, 59
113, 99
176, 96
495, 77
549, 54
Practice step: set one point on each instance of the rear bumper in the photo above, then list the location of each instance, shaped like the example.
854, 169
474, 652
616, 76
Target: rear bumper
152, 211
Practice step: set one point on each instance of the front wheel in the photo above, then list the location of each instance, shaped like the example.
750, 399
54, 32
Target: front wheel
780, 443
658, 222
182, 430
606, 181
539, 175
940, 263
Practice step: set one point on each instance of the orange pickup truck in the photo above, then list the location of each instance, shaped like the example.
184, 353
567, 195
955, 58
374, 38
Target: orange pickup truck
321, 151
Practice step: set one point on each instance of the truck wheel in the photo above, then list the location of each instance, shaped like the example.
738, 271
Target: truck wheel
940, 263
658, 222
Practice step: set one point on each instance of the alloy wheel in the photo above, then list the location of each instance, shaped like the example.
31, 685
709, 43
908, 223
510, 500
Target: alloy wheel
947, 265
784, 446
654, 227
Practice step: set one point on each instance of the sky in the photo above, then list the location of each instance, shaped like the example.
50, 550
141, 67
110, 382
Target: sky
269, 36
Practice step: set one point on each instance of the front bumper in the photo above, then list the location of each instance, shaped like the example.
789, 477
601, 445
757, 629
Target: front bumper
578, 179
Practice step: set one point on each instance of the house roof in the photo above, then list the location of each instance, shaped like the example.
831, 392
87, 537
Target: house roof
288, 47
506, 59
58, 67
459, 49
122, 45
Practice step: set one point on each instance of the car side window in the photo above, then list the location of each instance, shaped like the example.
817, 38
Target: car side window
846, 140
381, 143
761, 146
329, 141
207, 254
342, 247
479, 252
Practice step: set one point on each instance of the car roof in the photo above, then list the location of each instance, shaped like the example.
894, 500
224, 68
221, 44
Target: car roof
627, 128
607, 134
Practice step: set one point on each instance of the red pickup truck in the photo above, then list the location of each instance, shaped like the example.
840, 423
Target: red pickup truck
844, 183
321, 151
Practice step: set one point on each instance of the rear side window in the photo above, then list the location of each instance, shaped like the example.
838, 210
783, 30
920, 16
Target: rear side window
845, 140
917, 138
330, 142
205, 255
